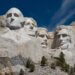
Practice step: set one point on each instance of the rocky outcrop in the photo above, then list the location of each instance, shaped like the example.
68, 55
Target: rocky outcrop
21, 48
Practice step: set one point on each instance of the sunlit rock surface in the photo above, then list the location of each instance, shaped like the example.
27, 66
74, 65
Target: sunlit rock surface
22, 39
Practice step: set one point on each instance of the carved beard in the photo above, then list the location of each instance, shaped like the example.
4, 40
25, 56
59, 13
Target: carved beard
65, 45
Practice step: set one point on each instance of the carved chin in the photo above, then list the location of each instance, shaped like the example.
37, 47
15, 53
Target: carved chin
65, 46
63, 43
14, 27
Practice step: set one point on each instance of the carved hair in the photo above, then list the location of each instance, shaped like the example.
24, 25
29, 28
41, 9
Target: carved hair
40, 29
58, 29
30, 18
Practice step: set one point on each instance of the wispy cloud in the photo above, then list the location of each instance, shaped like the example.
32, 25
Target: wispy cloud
66, 11
66, 18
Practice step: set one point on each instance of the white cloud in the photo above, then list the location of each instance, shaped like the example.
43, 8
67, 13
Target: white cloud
65, 11
66, 18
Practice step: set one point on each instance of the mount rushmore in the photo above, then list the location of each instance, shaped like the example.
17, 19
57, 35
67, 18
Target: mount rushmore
21, 38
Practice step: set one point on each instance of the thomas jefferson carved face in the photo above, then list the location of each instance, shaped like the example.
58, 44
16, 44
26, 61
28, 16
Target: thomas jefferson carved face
30, 24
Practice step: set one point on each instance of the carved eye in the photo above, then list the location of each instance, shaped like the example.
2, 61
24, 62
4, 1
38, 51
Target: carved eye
64, 35
9, 15
33, 24
41, 36
58, 36
28, 23
31, 27
16, 15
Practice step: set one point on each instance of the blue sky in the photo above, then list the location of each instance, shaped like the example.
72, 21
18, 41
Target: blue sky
47, 13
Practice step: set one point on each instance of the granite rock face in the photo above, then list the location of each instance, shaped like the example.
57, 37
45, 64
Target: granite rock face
18, 45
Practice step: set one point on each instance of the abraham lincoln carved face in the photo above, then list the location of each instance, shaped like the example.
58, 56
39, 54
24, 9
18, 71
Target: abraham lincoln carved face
63, 39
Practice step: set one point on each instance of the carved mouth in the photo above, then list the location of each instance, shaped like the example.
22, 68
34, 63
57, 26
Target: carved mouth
13, 27
44, 44
62, 43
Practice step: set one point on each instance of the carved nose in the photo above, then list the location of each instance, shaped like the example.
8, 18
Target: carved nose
12, 19
61, 39
45, 40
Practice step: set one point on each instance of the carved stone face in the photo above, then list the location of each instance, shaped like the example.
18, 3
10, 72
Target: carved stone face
63, 39
30, 24
2, 21
42, 35
12, 16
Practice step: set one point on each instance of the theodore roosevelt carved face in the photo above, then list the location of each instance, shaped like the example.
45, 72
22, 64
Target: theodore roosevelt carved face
42, 35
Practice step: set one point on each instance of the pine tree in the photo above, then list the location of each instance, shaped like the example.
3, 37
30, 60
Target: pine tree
32, 68
61, 56
71, 71
53, 66
21, 72
74, 67
60, 61
30, 65
43, 61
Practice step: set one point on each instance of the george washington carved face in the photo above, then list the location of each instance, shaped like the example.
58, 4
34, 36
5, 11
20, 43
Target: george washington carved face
13, 15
